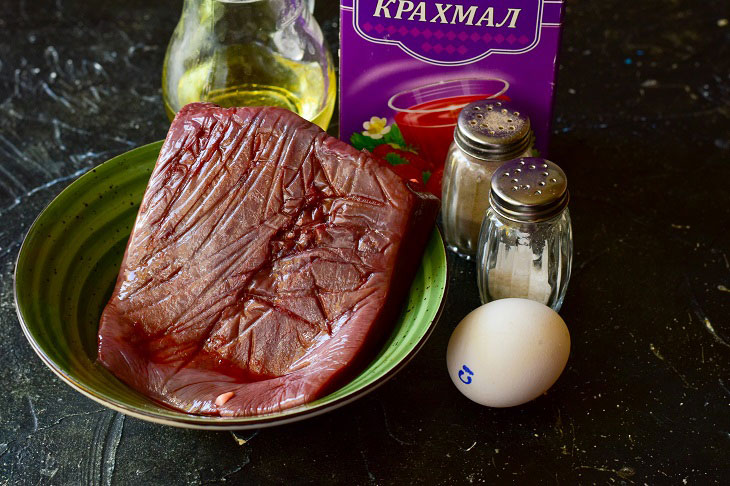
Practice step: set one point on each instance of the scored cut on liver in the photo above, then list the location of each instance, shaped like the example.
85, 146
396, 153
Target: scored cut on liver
268, 260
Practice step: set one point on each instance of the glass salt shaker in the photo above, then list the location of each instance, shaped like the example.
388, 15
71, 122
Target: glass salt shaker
526, 239
488, 133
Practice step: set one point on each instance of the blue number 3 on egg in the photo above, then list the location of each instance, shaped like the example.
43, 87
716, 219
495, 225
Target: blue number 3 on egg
465, 375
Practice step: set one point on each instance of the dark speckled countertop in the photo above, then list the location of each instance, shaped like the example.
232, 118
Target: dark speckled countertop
642, 127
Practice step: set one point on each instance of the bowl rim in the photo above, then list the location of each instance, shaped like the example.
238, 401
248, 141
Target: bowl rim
205, 422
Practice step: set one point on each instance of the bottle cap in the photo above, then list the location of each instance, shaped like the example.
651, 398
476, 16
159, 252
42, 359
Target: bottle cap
492, 130
529, 190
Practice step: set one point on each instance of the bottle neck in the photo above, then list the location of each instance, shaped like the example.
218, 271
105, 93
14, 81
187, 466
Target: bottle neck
245, 15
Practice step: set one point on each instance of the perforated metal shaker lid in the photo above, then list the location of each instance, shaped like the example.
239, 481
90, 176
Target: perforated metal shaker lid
492, 130
529, 189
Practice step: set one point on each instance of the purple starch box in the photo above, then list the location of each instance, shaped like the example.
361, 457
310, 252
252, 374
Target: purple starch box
408, 66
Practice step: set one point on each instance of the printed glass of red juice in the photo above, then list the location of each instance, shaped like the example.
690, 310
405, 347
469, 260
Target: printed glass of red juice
426, 115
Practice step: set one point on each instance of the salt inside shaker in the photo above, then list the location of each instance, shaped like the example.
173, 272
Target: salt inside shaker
488, 133
525, 242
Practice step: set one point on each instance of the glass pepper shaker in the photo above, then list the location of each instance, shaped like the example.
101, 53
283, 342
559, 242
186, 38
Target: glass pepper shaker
526, 239
488, 133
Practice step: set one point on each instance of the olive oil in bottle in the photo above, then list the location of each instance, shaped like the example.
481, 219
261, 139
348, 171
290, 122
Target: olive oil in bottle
250, 53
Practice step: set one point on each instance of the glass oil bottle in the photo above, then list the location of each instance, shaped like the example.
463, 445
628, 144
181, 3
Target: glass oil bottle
250, 53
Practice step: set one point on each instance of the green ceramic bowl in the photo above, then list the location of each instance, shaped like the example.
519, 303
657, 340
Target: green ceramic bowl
69, 262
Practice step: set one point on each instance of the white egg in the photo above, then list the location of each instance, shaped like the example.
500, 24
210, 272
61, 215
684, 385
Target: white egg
508, 352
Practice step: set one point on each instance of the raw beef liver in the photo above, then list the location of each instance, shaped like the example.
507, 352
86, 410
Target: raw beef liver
267, 262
